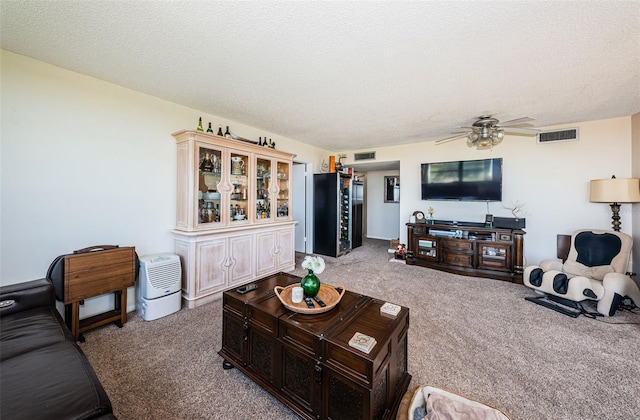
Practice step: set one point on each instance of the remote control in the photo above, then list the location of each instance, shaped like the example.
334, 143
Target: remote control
309, 303
247, 288
320, 302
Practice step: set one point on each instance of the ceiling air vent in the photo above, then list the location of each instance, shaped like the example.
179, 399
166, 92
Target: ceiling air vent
364, 156
553, 136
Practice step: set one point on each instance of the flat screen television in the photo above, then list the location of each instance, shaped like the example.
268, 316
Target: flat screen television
468, 180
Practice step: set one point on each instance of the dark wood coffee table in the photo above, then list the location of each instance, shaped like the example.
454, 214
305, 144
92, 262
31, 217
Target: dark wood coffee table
306, 362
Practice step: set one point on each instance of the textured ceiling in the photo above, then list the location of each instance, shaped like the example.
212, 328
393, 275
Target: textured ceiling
350, 75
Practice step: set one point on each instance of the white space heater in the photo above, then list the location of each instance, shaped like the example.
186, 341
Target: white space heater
159, 285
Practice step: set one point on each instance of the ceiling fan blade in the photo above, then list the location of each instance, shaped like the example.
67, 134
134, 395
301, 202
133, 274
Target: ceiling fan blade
463, 127
514, 130
516, 121
448, 139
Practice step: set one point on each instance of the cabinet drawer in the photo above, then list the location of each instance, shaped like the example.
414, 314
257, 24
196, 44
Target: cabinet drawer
460, 244
506, 237
463, 260
419, 230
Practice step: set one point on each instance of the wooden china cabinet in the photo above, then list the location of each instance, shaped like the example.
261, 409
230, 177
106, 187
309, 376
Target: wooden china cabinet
233, 214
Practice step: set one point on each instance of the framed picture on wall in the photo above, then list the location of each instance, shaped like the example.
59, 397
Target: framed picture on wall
391, 189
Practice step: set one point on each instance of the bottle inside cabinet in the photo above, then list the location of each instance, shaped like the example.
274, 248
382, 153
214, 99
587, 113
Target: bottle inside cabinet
283, 189
239, 179
345, 213
263, 178
209, 167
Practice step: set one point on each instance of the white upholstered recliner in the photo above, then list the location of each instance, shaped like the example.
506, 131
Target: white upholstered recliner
594, 270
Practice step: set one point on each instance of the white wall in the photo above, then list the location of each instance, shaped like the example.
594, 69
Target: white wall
381, 217
85, 162
551, 179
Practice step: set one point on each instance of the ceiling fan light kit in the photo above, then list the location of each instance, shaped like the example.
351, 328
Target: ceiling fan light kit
486, 132
485, 139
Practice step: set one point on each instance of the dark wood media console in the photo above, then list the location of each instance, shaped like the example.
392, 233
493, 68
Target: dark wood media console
305, 360
495, 253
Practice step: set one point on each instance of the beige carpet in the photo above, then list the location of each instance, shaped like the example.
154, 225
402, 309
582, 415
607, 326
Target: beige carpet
475, 337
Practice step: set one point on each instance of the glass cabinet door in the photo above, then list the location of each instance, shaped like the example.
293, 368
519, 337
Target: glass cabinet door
238, 197
282, 177
345, 212
427, 247
209, 174
494, 256
263, 183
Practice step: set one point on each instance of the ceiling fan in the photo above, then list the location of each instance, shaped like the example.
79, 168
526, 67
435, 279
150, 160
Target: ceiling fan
487, 131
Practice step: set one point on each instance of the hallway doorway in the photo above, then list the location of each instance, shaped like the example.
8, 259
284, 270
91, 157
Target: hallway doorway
302, 206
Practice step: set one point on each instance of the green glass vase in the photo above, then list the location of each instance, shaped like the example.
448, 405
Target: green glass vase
310, 284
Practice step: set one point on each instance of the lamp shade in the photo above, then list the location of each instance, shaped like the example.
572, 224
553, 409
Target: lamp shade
615, 190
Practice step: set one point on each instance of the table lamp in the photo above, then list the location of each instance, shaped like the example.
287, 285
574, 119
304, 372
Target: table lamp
615, 191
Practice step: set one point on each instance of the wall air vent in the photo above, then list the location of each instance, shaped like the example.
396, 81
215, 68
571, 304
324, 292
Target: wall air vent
364, 156
554, 136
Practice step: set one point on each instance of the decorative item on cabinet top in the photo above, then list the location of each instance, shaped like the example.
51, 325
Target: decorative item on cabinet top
330, 296
184, 135
229, 134
311, 283
419, 216
236, 137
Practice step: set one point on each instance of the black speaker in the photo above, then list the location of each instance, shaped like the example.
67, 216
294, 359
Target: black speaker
509, 223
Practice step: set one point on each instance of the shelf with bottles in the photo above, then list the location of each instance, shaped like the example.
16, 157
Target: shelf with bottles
282, 209
283, 171
239, 204
263, 210
210, 161
209, 176
237, 213
282, 199
209, 212
239, 193
263, 185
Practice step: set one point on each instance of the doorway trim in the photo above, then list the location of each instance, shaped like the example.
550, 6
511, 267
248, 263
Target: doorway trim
307, 202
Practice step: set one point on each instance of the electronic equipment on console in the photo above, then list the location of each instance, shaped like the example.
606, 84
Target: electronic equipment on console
446, 233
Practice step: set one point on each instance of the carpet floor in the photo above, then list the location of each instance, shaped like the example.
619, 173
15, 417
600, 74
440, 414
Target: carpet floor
476, 337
